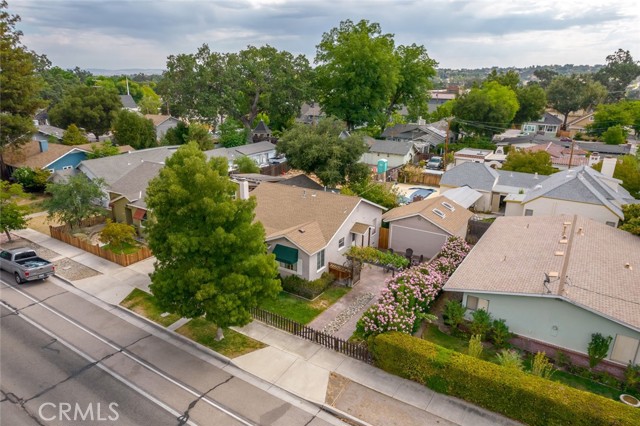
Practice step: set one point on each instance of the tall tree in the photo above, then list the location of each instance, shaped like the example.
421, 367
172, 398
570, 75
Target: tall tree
617, 74
568, 94
545, 76
532, 100
19, 86
232, 133
91, 108
57, 82
73, 136
13, 215
133, 129
357, 72
529, 162
75, 200
151, 102
199, 133
246, 165
510, 79
623, 113
211, 258
321, 150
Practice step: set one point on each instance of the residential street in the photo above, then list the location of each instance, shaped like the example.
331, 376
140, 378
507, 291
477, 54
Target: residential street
60, 348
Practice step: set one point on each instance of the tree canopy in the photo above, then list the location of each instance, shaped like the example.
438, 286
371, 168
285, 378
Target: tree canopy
628, 171
631, 221
529, 162
133, 129
211, 256
104, 149
567, 94
73, 136
13, 215
232, 133
617, 74
623, 113
383, 194
246, 165
321, 150
75, 200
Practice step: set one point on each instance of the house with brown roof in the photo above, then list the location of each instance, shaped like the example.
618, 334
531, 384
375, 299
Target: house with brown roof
556, 280
162, 123
562, 155
424, 226
307, 229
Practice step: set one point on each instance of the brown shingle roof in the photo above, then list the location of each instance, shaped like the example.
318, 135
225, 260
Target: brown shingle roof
157, 119
29, 154
284, 210
515, 253
452, 222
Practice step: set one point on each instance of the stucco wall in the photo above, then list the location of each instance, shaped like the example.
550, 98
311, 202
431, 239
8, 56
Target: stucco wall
393, 160
423, 240
514, 209
303, 259
118, 210
536, 317
482, 205
551, 207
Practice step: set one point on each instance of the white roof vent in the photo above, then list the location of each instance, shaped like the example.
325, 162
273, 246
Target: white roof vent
439, 213
448, 206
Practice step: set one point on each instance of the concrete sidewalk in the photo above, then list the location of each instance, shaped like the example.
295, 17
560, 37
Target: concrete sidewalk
303, 368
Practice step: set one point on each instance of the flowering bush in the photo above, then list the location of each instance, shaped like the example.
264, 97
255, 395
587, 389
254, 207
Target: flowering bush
410, 293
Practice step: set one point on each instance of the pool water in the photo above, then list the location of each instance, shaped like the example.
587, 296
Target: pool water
422, 192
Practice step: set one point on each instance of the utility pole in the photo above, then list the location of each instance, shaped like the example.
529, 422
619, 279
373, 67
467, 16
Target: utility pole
571, 153
446, 146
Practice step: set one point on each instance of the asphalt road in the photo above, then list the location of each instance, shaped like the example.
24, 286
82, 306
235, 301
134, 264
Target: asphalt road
60, 348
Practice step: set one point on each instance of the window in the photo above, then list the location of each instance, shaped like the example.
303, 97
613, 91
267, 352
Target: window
474, 303
375, 225
611, 224
625, 350
67, 167
528, 212
289, 266
341, 243
353, 238
320, 257
551, 128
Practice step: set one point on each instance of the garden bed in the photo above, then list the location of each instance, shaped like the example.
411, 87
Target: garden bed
233, 345
144, 304
302, 310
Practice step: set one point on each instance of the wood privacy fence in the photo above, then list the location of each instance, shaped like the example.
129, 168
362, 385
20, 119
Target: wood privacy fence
429, 179
383, 239
354, 350
61, 233
340, 272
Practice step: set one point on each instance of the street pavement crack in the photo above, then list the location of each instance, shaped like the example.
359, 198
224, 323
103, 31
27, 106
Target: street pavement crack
16, 311
16, 400
184, 418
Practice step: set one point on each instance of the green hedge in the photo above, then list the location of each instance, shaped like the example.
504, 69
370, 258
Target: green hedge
304, 288
515, 394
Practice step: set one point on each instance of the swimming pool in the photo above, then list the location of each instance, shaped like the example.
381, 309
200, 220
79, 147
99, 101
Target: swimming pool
415, 192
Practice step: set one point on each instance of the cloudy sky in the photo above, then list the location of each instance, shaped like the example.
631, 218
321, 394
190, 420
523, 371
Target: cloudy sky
117, 34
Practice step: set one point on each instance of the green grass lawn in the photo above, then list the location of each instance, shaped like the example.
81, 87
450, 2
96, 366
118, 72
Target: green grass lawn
302, 310
585, 384
144, 304
456, 343
204, 332
123, 249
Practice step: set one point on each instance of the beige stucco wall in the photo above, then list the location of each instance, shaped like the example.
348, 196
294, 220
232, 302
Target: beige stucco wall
420, 235
393, 160
551, 207
514, 209
118, 210
303, 259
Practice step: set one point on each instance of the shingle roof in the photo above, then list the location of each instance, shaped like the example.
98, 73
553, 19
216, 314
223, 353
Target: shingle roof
452, 221
474, 175
391, 147
585, 185
254, 148
302, 181
128, 102
284, 211
518, 179
262, 128
549, 119
50, 130
29, 155
133, 185
158, 119
515, 253
604, 148
463, 195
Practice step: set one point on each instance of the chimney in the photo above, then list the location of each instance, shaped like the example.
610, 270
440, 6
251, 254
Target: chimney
535, 176
44, 146
244, 190
608, 166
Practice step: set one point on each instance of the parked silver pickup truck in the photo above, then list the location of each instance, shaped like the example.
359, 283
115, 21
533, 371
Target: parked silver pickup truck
25, 265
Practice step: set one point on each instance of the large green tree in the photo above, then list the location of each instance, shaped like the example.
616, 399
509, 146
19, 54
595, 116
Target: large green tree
73, 136
321, 150
133, 129
532, 100
232, 133
545, 76
12, 215
91, 108
567, 94
75, 200
623, 113
628, 171
211, 258
529, 162
631, 221
57, 82
19, 86
618, 73
383, 194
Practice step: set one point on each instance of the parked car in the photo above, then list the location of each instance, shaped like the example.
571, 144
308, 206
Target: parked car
434, 163
25, 265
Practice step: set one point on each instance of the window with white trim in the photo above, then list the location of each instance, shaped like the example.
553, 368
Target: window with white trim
528, 212
289, 266
625, 350
67, 167
375, 225
341, 243
320, 258
475, 303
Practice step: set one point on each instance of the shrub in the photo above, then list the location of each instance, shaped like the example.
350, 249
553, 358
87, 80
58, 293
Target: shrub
563, 360
453, 314
510, 358
475, 346
526, 398
480, 323
118, 235
500, 333
541, 366
375, 256
455, 249
598, 348
32, 180
305, 288
631, 377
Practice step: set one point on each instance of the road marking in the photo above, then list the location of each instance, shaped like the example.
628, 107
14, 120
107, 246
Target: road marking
123, 351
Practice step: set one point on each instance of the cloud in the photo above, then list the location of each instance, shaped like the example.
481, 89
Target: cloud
458, 33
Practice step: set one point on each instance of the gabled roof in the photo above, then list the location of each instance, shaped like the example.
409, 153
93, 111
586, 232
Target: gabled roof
452, 221
262, 128
463, 195
584, 185
158, 119
508, 178
399, 130
307, 218
50, 130
548, 119
515, 253
128, 102
254, 148
302, 181
133, 185
391, 147
474, 175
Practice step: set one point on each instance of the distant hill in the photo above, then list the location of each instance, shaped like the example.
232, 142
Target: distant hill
125, 71
466, 77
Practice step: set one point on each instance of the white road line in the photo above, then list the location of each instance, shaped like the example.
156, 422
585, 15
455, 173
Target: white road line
135, 359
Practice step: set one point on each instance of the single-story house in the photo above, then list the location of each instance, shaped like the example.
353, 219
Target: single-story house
260, 152
162, 123
581, 190
425, 225
397, 153
556, 280
307, 229
424, 136
310, 113
494, 160
561, 155
548, 124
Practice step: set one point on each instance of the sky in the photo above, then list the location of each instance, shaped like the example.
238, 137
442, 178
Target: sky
125, 34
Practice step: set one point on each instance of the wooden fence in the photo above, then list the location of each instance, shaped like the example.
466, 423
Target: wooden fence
275, 169
340, 272
354, 350
383, 239
61, 233
429, 179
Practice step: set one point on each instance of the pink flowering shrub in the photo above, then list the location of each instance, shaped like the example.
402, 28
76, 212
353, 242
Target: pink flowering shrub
411, 292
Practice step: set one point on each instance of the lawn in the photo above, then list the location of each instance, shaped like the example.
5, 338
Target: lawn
123, 249
459, 344
204, 332
144, 304
303, 310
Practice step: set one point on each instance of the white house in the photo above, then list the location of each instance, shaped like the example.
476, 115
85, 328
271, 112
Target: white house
397, 153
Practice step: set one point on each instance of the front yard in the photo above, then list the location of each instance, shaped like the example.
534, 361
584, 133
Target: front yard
302, 310
144, 304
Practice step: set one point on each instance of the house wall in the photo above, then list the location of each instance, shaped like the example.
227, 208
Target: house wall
482, 205
393, 160
262, 158
552, 207
71, 159
166, 125
303, 259
118, 210
536, 317
514, 209
417, 233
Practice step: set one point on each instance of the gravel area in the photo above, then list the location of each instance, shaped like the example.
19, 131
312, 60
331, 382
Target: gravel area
344, 316
65, 267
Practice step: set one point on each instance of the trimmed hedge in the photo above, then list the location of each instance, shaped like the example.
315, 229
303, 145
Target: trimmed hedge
304, 288
515, 394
